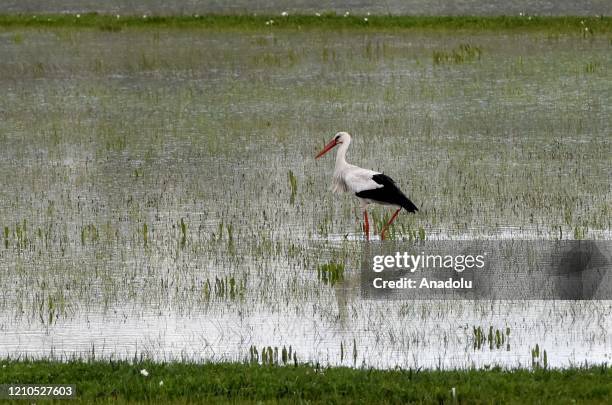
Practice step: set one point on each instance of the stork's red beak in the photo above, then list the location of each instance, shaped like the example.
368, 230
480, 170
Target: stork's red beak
327, 148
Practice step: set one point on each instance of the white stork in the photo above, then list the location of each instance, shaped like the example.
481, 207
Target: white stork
367, 185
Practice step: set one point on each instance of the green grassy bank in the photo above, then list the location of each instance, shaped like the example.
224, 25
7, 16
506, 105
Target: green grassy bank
327, 21
104, 381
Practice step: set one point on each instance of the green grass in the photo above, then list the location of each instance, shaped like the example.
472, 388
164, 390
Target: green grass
226, 382
327, 21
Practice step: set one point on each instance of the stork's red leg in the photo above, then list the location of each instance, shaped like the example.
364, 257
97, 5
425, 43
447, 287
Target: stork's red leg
382, 233
366, 225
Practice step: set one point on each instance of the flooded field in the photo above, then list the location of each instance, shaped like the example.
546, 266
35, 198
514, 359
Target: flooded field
159, 195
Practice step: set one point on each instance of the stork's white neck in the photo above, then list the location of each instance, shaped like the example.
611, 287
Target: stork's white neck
341, 155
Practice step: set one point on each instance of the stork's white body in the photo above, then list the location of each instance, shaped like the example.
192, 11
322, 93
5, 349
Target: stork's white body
350, 178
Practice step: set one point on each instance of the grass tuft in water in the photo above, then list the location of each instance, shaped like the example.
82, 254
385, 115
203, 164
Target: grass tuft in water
495, 338
183, 226
293, 184
539, 358
331, 273
462, 54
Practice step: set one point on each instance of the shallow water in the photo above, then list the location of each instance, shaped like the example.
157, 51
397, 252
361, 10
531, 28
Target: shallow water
145, 201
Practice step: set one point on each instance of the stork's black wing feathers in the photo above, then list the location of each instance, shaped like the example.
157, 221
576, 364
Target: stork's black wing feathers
389, 193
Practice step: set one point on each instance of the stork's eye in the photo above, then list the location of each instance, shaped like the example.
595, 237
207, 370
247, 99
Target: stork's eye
337, 138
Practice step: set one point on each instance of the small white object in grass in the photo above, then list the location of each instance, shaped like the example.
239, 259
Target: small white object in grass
318, 14
144, 16
365, 19
586, 28
284, 14
144, 372
78, 16
454, 392
117, 16
582, 22
521, 13
347, 14
161, 383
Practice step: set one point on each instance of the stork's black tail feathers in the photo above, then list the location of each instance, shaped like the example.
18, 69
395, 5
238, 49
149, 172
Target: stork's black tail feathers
409, 205
389, 193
